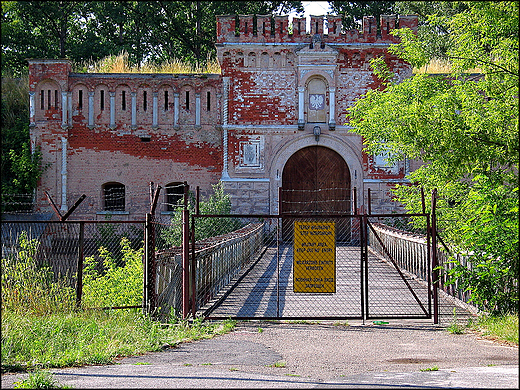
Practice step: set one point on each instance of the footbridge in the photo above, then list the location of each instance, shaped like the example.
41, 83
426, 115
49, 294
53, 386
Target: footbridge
307, 267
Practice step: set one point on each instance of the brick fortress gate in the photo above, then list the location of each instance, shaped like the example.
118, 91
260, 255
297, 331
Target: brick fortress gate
279, 96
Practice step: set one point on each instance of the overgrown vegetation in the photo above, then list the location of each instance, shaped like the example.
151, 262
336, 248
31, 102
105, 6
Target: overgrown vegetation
121, 64
42, 328
21, 166
91, 337
501, 328
40, 379
217, 203
117, 283
465, 129
30, 288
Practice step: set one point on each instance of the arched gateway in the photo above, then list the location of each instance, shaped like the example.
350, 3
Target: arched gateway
316, 181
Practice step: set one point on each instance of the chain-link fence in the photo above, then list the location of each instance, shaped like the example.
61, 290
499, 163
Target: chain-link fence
17, 203
284, 267
398, 267
102, 262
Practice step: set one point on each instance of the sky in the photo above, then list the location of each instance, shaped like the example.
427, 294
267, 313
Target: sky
312, 8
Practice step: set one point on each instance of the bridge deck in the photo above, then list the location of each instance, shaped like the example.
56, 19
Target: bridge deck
265, 290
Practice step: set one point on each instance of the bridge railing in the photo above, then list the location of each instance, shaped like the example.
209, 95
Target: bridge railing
410, 251
217, 260
224, 258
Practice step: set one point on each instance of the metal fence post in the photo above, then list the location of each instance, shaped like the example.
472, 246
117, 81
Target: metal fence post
369, 199
354, 203
146, 267
185, 255
363, 267
79, 268
435, 273
193, 269
152, 273
150, 301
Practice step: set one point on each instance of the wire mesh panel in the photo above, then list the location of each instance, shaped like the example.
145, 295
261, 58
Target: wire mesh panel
168, 263
398, 269
273, 282
109, 253
113, 264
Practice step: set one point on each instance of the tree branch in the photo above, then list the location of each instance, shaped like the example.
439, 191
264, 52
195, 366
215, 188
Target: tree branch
484, 62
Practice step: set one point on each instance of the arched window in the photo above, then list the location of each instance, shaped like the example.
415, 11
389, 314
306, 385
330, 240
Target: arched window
114, 197
174, 193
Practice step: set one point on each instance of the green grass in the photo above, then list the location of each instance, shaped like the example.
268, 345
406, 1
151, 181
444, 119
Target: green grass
40, 380
499, 328
456, 328
434, 368
66, 340
503, 328
279, 364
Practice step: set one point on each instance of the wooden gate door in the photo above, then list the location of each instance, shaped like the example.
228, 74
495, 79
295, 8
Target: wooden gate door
316, 181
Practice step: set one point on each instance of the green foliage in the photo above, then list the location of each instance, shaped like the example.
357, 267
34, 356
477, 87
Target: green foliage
455, 327
434, 368
26, 167
504, 327
353, 11
40, 379
90, 30
21, 167
91, 337
29, 287
217, 203
465, 128
116, 284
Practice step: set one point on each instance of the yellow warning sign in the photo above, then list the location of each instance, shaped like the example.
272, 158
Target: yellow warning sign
314, 257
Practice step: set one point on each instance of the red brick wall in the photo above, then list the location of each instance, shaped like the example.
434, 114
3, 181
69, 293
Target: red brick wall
262, 103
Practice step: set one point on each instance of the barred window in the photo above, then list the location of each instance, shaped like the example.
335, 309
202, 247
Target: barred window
114, 197
174, 193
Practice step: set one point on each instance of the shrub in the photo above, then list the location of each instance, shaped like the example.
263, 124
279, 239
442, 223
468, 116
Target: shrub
217, 203
30, 287
114, 285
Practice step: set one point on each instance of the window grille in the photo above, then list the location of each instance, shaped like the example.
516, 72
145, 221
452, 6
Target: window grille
174, 192
114, 197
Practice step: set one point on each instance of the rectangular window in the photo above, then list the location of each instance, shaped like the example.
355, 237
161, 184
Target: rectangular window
102, 101
42, 100
145, 106
49, 99
208, 101
114, 197
123, 100
188, 100
174, 193
165, 100
55, 98
80, 99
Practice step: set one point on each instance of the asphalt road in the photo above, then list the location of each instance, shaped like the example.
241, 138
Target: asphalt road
401, 354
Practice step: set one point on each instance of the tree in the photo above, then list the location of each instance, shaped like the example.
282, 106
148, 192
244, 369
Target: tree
353, 11
153, 31
36, 29
465, 128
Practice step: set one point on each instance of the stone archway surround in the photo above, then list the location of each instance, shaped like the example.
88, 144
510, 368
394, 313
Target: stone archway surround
284, 150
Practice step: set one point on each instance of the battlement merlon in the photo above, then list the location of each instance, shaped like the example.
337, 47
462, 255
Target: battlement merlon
55, 69
275, 29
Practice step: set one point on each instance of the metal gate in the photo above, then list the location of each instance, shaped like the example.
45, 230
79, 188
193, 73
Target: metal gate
381, 269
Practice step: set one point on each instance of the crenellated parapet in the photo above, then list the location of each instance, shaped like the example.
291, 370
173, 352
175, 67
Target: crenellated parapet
267, 29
